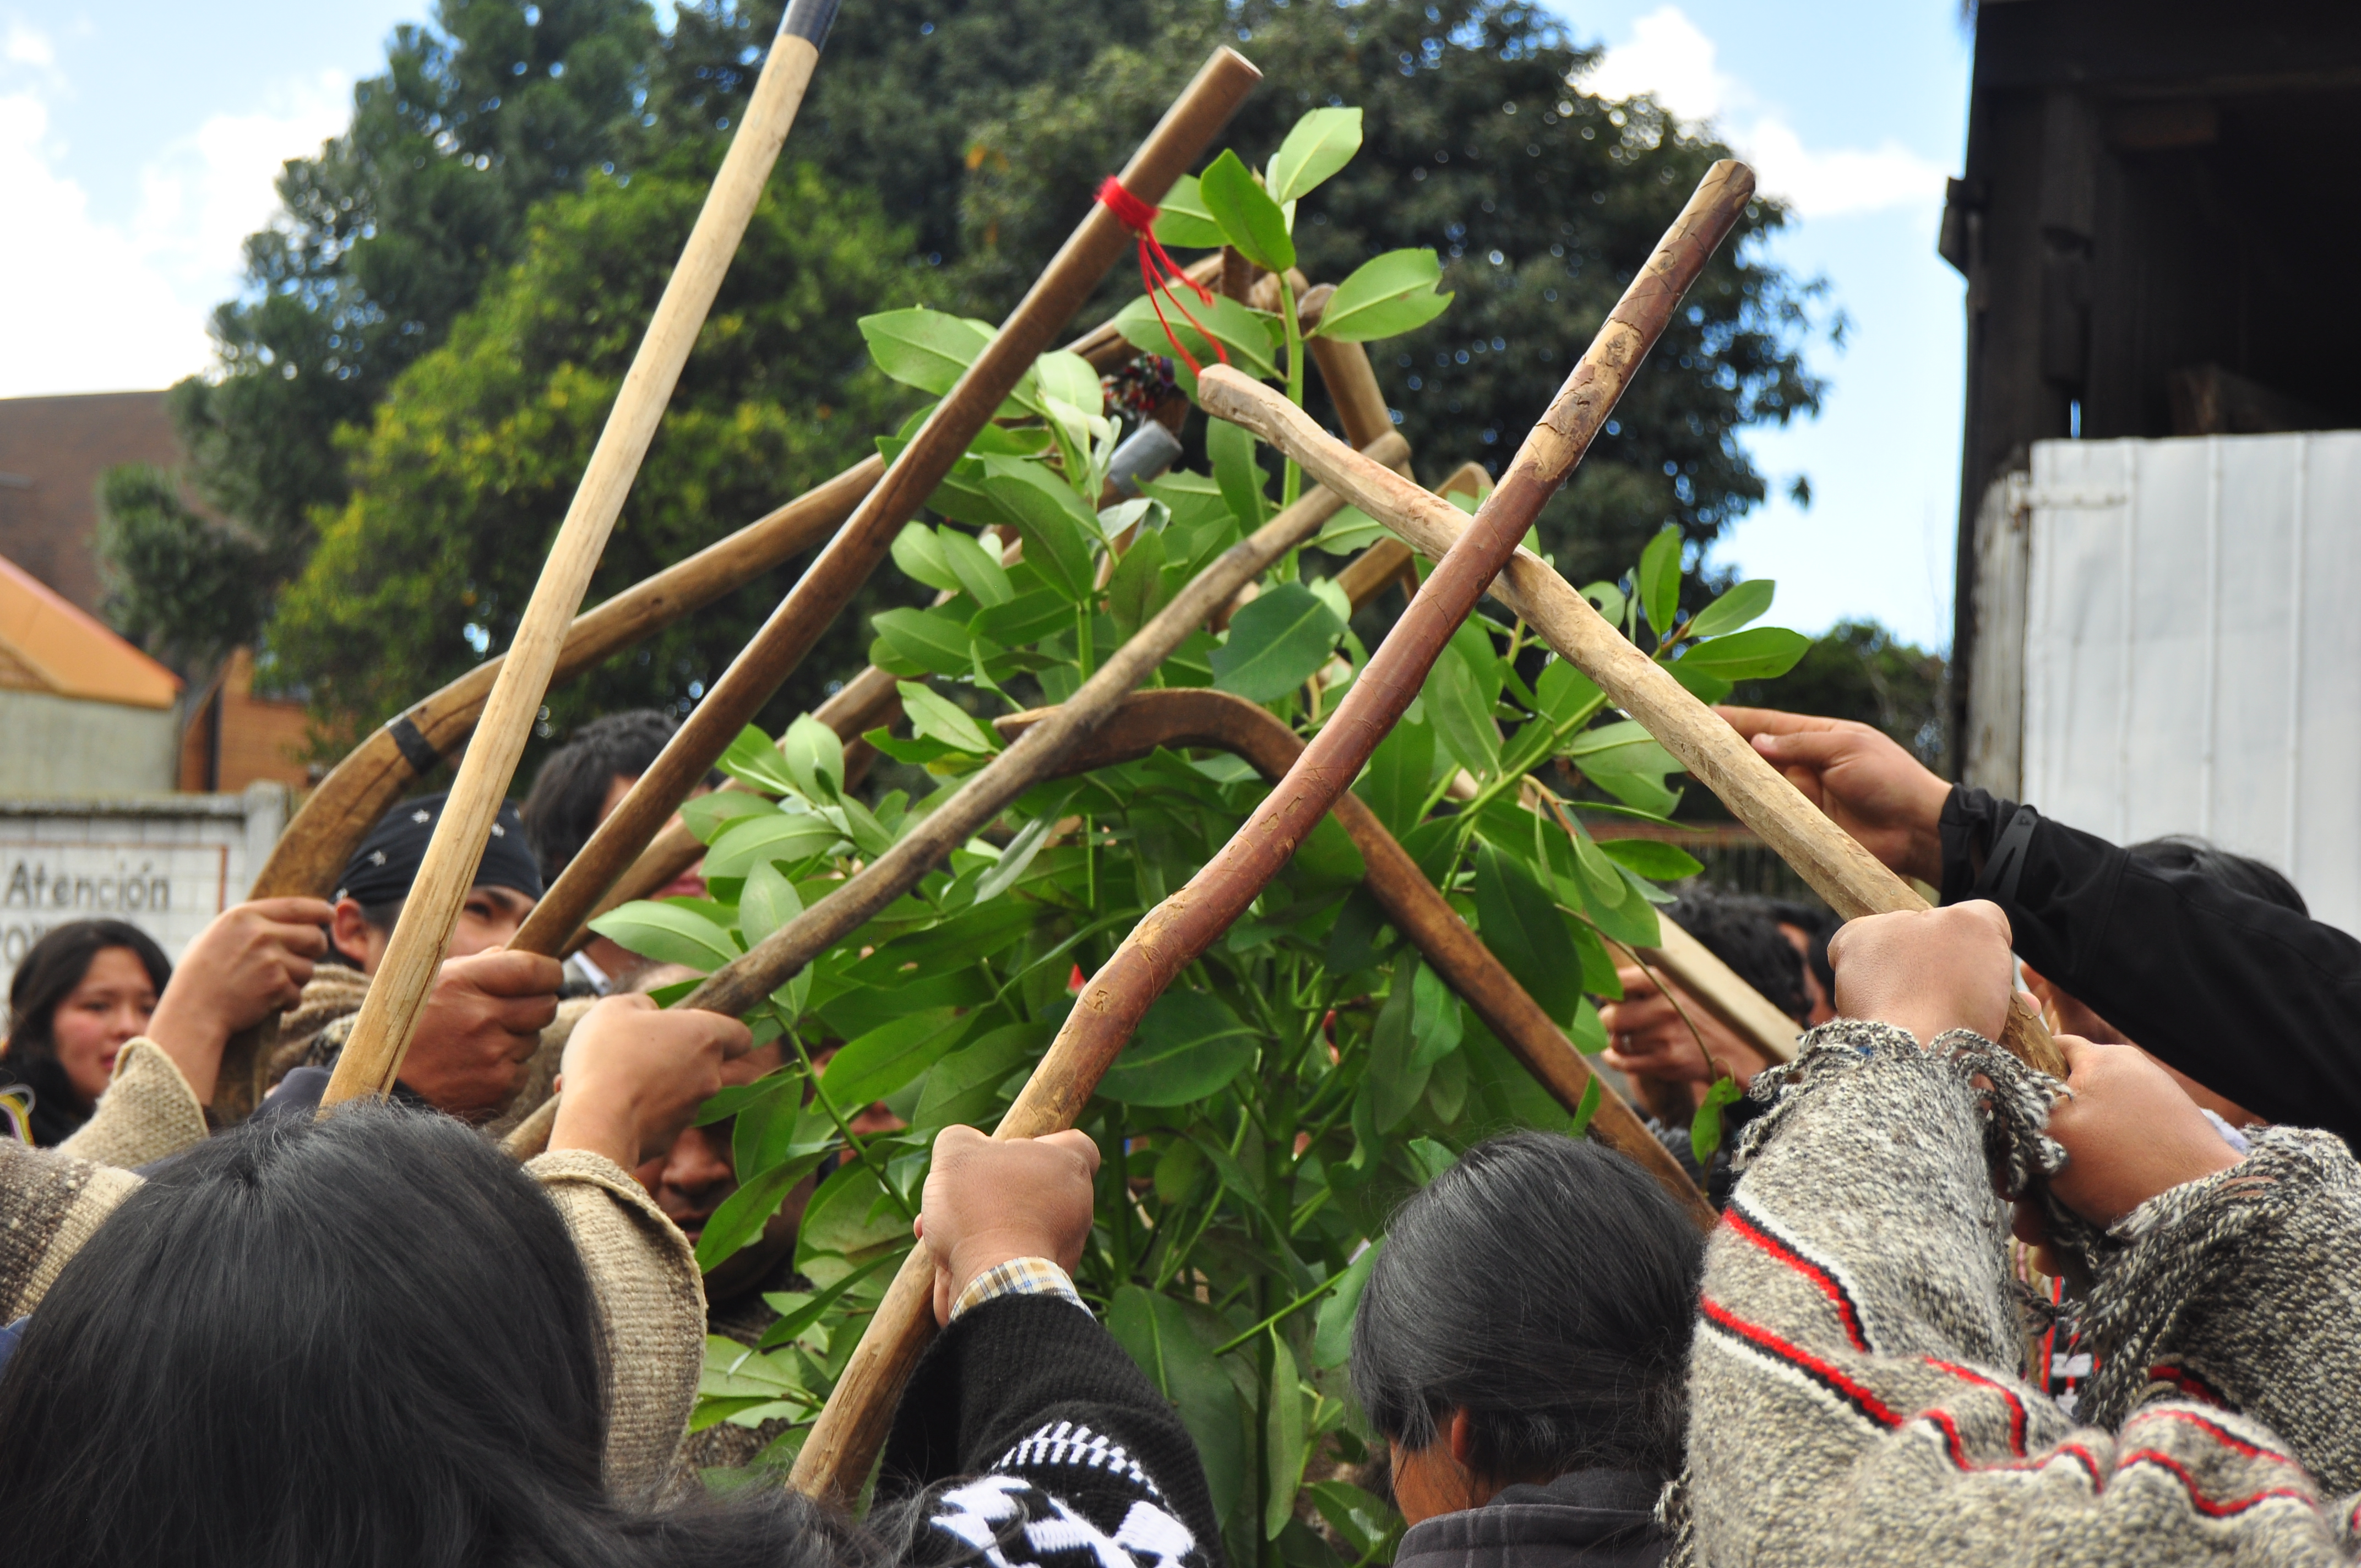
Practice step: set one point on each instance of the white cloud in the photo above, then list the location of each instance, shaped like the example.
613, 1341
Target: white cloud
1668, 57
87, 304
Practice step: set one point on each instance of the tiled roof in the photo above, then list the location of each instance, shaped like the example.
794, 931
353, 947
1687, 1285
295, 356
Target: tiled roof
47, 644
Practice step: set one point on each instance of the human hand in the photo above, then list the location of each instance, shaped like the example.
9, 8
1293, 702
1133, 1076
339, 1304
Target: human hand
250, 960
1654, 1038
1879, 793
634, 1074
1927, 969
989, 1199
2129, 1132
482, 1025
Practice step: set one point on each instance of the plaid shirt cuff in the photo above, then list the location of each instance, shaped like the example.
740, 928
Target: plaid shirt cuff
1018, 1276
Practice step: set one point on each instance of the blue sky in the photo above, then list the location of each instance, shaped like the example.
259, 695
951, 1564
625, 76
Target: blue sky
138, 147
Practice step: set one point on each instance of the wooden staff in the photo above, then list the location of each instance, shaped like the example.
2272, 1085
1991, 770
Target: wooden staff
1185, 925
1187, 127
1718, 989
1853, 880
742, 983
1200, 716
380, 1036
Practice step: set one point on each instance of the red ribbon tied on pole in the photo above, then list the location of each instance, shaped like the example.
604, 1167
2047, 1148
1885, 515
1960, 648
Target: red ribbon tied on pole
1157, 272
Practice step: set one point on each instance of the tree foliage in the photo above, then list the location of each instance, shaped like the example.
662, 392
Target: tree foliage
465, 473
189, 587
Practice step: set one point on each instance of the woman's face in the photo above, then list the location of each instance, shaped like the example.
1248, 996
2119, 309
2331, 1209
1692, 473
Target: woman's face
90, 1027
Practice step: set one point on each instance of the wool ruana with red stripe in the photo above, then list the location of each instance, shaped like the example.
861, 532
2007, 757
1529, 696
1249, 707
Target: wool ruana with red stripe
1854, 1393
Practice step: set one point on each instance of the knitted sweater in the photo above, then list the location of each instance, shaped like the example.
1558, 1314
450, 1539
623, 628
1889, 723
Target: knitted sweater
644, 1276
1064, 1454
1853, 1391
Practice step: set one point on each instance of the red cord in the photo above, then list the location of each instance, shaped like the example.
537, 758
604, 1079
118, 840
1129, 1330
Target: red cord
1156, 266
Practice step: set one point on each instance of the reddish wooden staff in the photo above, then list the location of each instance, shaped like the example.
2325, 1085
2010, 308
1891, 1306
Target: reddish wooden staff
845, 1439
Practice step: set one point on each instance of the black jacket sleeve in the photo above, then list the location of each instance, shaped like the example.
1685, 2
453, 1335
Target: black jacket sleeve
2254, 1001
1034, 1400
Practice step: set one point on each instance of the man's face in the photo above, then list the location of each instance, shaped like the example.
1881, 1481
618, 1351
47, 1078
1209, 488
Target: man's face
489, 918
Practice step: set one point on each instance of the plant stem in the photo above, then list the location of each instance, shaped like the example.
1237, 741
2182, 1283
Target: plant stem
1291, 483
1303, 1300
859, 1150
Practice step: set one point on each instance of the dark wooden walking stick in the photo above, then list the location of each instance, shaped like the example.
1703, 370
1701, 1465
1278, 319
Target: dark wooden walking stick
1854, 881
380, 1035
1203, 108
1176, 930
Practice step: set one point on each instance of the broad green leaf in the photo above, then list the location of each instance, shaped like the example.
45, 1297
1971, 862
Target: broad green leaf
751, 760
1752, 656
1660, 579
1326, 857
1136, 588
1520, 924
1745, 602
1283, 1445
1187, 1047
1607, 600
974, 569
1395, 1080
963, 1088
768, 902
1230, 448
1194, 500
1350, 531
1241, 333
1650, 858
927, 349
938, 717
1359, 1519
1700, 683
815, 758
927, 639
1068, 378
1461, 713
1430, 1157
1592, 1093
750, 841
1332, 1340
1386, 296
740, 1217
1179, 1170
1705, 1128
1182, 218
1323, 142
707, 814
920, 555
882, 1060
1017, 857
1057, 527
1398, 775
1028, 618
668, 934
1434, 1029
798, 1311
1566, 692
1250, 220
1276, 643
848, 1223
1163, 1336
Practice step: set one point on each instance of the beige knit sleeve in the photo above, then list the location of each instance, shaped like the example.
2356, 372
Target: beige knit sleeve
148, 1112
651, 1309
50, 1205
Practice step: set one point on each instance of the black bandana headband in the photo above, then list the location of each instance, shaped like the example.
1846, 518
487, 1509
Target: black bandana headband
387, 862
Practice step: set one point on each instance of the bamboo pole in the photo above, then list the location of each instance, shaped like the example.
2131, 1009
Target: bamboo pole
1203, 108
1853, 882
1180, 928
380, 1036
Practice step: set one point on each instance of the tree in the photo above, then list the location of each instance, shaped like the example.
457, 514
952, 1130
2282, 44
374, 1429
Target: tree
1542, 199
191, 587
464, 475
383, 238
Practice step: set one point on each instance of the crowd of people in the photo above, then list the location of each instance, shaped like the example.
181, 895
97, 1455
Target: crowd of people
372, 1338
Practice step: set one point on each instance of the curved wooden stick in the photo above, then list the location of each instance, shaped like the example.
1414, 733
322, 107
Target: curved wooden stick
1853, 880
1203, 108
380, 1035
1185, 925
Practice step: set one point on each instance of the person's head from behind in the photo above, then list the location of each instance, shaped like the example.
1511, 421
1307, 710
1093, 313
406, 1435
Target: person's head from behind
1744, 932
376, 881
584, 780
1528, 1316
366, 1340
78, 995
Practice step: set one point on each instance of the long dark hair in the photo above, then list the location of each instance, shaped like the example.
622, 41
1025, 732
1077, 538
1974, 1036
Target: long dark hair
366, 1340
52, 967
1546, 1287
